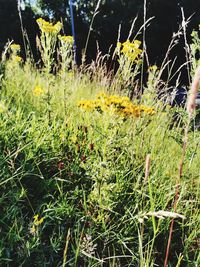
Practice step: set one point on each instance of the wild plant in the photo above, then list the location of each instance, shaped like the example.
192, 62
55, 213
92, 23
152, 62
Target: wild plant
129, 57
47, 41
66, 52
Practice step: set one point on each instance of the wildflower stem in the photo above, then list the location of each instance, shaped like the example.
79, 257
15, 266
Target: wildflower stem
66, 248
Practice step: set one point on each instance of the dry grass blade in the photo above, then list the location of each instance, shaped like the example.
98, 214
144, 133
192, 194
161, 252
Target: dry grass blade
147, 167
66, 248
165, 214
161, 214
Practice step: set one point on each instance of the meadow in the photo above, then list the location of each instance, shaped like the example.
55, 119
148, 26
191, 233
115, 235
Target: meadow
94, 172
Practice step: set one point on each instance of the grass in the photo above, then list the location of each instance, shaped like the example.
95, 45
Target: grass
83, 172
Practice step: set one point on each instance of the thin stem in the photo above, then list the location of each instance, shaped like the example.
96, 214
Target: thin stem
91, 24
144, 44
21, 24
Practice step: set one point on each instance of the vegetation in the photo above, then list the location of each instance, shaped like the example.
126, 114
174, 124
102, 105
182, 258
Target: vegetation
94, 187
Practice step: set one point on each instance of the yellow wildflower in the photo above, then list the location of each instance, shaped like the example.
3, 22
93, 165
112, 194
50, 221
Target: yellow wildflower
66, 39
101, 94
15, 47
74, 138
37, 221
38, 91
131, 49
40, 21
121, 105
48, 27
153, 68
57, 27
17, 58
35, 224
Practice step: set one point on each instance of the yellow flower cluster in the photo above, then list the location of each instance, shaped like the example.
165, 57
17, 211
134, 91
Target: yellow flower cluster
15, 47
66, 39
119, 104
17, 59
38, 91
48, 27
130, 49
153, 68
36, 223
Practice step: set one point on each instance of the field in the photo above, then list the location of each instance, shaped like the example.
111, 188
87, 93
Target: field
92, 171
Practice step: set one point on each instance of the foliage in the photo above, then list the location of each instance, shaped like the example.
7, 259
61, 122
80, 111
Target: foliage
10, 23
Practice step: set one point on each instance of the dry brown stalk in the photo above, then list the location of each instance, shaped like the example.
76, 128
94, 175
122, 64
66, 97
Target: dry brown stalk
147, 167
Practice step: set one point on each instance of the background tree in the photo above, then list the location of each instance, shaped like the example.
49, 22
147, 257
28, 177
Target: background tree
10, 23
111, 13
